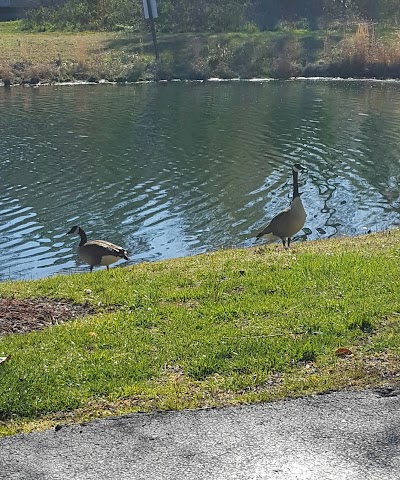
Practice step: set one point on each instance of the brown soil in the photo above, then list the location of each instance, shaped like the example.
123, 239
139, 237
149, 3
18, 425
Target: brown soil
22, 316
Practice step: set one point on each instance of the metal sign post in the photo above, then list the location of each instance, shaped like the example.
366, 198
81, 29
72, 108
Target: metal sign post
150, 13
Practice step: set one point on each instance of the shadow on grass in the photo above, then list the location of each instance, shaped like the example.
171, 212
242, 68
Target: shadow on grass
229, 55
175, 43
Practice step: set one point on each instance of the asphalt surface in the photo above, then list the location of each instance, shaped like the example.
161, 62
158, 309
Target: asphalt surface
347, 435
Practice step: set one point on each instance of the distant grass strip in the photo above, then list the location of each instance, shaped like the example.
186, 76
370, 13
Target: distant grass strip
365, 51
223, 328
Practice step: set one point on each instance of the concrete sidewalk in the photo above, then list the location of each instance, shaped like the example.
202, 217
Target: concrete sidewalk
340, 436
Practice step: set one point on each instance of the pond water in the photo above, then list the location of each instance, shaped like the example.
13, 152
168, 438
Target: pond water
169, 170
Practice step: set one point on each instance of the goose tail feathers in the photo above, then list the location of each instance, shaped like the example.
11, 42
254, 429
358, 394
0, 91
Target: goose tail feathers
263, 232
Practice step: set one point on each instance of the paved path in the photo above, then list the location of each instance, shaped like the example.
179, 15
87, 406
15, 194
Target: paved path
341, 436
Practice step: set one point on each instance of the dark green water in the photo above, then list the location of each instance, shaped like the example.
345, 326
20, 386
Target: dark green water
169, 170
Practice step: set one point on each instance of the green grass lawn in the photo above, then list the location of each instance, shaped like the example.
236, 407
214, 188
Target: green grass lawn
229, 327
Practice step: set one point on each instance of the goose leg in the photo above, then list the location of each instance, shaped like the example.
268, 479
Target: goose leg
91, 268
107, 267
284, 242
288, 242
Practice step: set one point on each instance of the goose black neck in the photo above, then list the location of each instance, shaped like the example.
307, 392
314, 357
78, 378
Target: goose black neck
295, 184
83, 236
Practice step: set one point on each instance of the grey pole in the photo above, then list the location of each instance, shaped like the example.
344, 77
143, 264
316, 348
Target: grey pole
153, 29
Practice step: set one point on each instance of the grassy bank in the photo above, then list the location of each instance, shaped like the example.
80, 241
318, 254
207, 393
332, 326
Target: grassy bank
229, 327
60, 57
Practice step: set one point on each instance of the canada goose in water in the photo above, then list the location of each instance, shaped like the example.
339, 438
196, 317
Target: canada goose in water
98, 252
292, 219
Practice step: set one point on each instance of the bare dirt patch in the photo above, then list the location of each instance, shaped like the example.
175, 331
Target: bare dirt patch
25, 315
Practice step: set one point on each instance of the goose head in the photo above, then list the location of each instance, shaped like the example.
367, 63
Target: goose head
74, 229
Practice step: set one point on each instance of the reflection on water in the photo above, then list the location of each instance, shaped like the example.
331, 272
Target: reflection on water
175, 169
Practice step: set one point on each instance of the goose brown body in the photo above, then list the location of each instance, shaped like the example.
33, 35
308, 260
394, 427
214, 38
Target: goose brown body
289, 221
98, 252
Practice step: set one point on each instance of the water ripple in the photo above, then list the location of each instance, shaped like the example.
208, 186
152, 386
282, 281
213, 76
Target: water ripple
180, 169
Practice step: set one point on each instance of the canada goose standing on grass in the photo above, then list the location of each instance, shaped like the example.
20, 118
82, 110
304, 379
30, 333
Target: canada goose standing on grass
292, 219
98, 252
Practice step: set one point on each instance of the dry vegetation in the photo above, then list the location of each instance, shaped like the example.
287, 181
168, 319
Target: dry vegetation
27, 315
367, 53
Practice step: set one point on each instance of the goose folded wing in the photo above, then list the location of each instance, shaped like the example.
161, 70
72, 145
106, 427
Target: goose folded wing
108, 248
275, 224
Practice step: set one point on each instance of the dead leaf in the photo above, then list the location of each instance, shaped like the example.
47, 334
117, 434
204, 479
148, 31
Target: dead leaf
343, 352
92, 334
